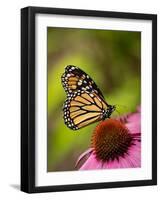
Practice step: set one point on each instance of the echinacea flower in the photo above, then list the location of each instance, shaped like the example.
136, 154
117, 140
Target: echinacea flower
116, 143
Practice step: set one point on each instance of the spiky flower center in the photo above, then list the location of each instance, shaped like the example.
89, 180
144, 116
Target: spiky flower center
111, 140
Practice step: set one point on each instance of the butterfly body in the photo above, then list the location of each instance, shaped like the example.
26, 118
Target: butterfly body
85, 103
108, 112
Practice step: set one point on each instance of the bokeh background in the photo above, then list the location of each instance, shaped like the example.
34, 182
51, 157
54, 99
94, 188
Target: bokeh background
112, 59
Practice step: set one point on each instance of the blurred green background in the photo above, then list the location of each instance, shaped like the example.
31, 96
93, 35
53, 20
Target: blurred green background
112, 59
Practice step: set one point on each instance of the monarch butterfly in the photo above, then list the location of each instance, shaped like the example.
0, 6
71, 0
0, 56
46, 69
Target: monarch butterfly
85, 103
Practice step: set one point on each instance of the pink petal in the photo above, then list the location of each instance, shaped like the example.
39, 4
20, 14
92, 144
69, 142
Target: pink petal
91, 163
134, 127
134, 154
134, 123
112, 164
84, 155
134, 117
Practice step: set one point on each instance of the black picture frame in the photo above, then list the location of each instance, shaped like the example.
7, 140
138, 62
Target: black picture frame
28, 98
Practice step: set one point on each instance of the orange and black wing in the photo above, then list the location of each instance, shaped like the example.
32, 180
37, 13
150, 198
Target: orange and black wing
82, 109
76, 80
85, 103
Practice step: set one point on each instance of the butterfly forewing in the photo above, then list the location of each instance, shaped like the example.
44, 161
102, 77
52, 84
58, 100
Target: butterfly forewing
75, 79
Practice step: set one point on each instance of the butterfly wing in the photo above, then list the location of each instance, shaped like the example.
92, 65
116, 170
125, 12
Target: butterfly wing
85, 103
83, 109
75, 79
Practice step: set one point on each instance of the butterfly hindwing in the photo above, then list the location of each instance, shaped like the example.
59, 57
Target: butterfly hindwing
83, 109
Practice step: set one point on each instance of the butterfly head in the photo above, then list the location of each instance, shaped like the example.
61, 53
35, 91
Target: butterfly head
109, 111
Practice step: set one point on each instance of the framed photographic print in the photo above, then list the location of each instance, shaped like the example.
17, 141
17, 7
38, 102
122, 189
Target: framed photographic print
88, 99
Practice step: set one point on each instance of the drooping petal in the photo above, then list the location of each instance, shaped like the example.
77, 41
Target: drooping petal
91, 163
84, 155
